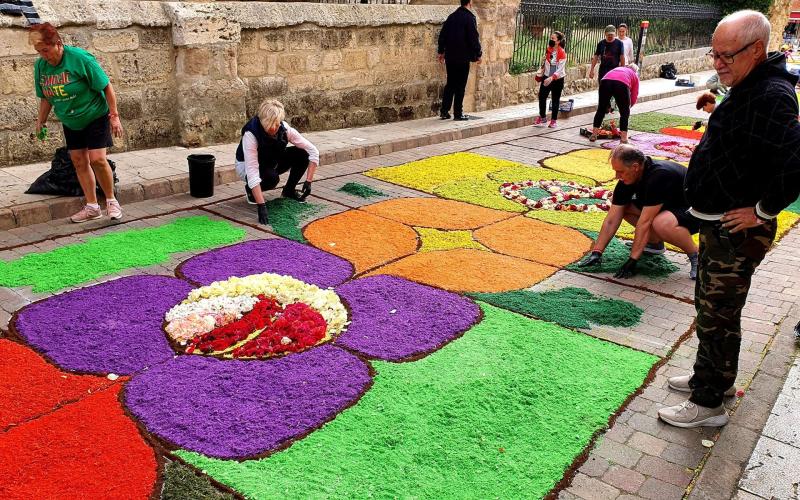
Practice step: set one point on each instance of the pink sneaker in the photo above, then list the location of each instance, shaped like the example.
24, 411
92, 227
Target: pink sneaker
114, 210
552, 124
87, 213
539, 121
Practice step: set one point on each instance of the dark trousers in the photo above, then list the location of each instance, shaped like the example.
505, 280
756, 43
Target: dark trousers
555, 87
726, 265
457, 75
621, 94
294, 160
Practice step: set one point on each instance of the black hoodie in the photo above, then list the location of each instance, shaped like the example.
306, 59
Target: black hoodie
750, 153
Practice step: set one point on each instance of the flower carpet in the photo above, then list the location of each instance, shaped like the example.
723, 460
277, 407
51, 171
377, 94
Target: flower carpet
410, 346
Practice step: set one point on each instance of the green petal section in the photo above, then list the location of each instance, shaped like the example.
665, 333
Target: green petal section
616, 253
794, 207
501, 412
286, 217
114, 252
360, 190
181, 483
654, 122
571, 307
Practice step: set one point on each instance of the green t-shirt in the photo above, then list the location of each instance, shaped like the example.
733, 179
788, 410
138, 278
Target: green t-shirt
74, 87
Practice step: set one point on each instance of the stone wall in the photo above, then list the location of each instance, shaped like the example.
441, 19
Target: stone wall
191, 73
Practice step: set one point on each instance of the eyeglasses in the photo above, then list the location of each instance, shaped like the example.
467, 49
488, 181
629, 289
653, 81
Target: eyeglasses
727, 58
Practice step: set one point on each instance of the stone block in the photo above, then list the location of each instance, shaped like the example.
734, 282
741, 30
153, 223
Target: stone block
129, 104
14, 42
18, 112
31, 213
249, 42
351, 80
355, 59
157, 188
301, 83
152, 132
291, 63
179, 183
373, 57
331, 60
61, 208
304, 39
272, 64
224, 62
336, 39
205, 29
273, 41
7, 219
159, 101
145, 66
251, 65
22, 148
17, 75
194, 61
129, 193
268, 86
371, 37
156, 38
115, 41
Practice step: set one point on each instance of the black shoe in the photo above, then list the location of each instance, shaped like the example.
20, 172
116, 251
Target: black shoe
444, 116
249, 194
291, 194
461, 118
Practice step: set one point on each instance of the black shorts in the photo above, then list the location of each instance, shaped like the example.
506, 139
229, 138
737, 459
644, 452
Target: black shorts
685, 219
96, 135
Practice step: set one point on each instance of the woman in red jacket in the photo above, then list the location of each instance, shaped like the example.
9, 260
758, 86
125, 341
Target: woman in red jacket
555, 61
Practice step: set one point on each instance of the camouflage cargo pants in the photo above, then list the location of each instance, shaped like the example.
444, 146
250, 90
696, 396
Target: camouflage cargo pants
726, 265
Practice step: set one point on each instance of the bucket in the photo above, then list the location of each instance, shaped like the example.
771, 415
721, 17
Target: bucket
201, 175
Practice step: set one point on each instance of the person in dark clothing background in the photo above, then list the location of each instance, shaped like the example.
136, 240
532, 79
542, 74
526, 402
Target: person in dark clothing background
743, 173
458, 46
610, 53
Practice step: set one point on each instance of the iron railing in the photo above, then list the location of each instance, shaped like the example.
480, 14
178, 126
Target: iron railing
674, 25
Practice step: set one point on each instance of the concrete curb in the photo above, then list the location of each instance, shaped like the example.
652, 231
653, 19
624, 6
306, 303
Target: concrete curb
58, 208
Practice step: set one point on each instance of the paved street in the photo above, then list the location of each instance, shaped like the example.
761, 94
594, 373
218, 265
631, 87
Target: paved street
637, 456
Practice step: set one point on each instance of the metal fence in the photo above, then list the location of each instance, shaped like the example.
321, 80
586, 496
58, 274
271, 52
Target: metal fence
674, 25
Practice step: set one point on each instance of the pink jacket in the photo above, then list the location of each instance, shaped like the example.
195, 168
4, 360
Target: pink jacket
628, 77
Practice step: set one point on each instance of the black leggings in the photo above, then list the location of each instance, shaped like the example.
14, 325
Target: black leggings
622, 94
556, 87
293, 159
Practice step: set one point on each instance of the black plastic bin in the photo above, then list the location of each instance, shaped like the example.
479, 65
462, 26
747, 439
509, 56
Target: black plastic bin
201, 175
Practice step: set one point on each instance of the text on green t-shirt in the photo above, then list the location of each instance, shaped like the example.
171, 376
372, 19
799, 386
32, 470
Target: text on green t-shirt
74, 87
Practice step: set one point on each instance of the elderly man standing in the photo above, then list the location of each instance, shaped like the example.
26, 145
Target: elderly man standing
745, 171
649, 196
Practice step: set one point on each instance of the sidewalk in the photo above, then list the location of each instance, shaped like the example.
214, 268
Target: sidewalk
155, 173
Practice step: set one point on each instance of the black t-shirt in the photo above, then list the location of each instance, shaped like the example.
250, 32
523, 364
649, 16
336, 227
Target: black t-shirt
661, 184
609, 55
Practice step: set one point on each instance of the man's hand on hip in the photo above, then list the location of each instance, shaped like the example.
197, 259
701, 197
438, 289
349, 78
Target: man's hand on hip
740, 218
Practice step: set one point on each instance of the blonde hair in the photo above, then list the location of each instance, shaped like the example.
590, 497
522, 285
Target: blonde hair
270, 112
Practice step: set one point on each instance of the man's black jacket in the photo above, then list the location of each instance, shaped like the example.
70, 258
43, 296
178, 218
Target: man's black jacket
750, 153
458, 40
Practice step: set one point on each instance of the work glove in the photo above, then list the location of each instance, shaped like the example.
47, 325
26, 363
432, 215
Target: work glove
305, 191
697, 125
262, 214
627, 270
594, 258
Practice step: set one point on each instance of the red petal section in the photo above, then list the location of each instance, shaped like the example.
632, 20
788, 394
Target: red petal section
29, 386
89, 449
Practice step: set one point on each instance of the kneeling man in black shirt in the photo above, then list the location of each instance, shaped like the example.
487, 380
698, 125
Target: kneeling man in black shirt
649, 196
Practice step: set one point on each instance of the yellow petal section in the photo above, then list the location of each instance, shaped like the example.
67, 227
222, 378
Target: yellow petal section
435, 239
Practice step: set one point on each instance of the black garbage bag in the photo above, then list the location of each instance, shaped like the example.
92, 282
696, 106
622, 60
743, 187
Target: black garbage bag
668, 71
61, 179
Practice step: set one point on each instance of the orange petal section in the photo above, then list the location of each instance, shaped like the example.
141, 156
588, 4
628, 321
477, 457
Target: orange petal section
467, 270
29, 386
534, 240
88, 449
364, 239
682, 132
437, 213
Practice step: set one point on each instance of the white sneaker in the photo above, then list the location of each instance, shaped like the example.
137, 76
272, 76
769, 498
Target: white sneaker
114, 210
681, 383
688, 415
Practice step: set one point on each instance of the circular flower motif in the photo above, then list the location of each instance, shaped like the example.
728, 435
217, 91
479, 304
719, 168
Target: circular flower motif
660, 145
226, 407
562, 193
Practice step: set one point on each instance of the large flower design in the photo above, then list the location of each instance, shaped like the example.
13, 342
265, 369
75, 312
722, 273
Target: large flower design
661, 146
226, 407
457, 246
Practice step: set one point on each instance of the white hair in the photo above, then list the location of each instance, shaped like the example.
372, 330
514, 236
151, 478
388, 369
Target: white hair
754, 26
633, 66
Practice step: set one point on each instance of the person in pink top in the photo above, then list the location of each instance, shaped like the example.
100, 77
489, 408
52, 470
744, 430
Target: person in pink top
622, 84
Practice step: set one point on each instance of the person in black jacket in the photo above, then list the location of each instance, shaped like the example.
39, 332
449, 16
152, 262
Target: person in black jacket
458, 46
744, 171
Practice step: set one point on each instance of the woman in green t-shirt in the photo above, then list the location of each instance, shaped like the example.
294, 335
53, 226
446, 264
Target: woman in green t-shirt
69, 81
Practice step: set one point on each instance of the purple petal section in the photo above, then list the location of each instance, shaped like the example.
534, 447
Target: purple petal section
646, 142
268, 256
238, 409
395, 319
113, 327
